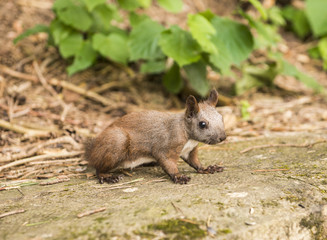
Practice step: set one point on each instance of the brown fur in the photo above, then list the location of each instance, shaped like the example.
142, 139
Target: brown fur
155, 135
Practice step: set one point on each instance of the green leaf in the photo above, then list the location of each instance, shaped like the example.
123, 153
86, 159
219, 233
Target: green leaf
75, 16
59, 31
103, 15
60, 4
298, 20
197, 76
174, 6
36, 29
84, 58
91, 4
129, 5
260, 9
234, 42
256, 76
202, 31
143, 41
290, 70
144, 3
70, 45
208, 15
179, 45
322, 46
267, 34
276, 16
316, 13
314, 52
113, 46
172, 80
245, 105
135, 19
153, 66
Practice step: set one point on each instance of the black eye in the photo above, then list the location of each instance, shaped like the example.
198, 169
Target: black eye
202, 124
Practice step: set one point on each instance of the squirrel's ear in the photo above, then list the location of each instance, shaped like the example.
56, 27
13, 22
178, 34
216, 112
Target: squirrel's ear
213, 98
192, 107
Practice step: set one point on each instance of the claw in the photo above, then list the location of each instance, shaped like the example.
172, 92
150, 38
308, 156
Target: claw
181, 179
211, 169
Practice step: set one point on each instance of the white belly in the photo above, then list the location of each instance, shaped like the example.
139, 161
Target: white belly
137, 162
188, 147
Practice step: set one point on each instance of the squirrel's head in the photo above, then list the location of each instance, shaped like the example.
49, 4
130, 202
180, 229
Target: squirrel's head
203, 122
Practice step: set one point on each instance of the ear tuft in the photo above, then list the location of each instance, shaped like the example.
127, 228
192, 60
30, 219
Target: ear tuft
192, 107
213, 98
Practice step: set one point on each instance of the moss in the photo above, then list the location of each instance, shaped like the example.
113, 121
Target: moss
179, 229
144, 234
272, 203
315, 223
224, 231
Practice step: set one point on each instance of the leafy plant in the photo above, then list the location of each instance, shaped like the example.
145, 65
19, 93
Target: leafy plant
84, 30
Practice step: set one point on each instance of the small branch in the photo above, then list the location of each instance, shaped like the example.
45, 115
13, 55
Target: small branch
31, 152
309, 145
89, 94
15, 74
23, 130
270, 170
11, 213
91, 212
55, 181
42, 79
178, 209
120, 184
41, 157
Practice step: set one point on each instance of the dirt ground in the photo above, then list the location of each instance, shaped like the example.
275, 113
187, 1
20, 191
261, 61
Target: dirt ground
273, 193
280, 190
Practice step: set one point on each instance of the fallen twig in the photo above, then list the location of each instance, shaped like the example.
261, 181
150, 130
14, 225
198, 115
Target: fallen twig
86, 93
23, 130
91, 212
178, 209
59, 179
11, 213
41, 157
306, 145
270, 170
15, 74
120, 184
32, 151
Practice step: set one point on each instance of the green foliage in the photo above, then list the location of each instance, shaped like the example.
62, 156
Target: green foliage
298, 21
85, 30
197, 75
172, 79
179, 45
234, 42
316, 13
202, 31
36, 29
112, 46
171, 5
143, 40
245, 105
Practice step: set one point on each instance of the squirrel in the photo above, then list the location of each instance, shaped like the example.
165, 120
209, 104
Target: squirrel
152, 136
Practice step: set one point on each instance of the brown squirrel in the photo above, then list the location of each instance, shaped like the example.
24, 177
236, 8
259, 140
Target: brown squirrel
151, 136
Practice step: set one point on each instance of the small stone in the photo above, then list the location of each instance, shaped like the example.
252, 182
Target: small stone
130, 189
250, 223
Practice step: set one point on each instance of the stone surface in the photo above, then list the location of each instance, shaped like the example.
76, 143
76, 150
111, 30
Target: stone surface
251, 199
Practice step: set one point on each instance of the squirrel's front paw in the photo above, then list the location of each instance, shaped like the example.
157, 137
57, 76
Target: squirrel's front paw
181, 179
211, 169
110, 178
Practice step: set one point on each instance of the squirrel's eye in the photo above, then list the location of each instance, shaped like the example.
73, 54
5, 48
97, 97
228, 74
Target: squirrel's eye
202, 124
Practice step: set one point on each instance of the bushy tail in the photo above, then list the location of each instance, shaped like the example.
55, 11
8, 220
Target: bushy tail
88, 146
